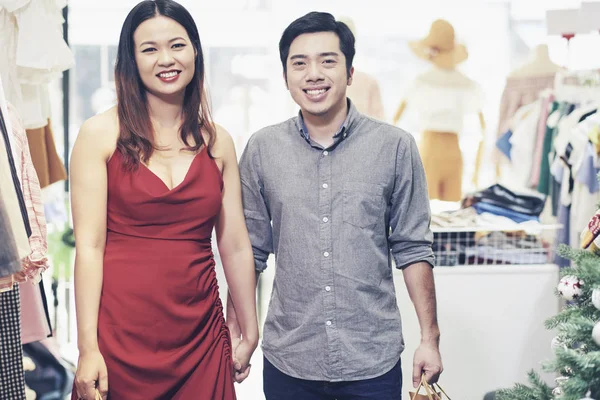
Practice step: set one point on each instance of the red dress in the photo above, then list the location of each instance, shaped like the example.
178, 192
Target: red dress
161, 328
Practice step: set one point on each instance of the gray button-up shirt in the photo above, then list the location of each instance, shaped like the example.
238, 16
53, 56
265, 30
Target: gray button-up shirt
332, 216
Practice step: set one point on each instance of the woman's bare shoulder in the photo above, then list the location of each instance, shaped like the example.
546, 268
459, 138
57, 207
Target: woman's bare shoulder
100, 133
223, 146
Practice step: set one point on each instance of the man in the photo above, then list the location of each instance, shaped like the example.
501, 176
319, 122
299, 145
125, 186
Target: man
331, 192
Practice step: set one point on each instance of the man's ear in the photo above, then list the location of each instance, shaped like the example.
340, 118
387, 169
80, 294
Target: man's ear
350, 76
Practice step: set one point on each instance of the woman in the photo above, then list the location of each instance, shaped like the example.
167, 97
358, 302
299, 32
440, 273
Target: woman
150, 179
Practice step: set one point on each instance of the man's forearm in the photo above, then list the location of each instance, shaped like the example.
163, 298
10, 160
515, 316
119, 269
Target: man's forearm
421, 289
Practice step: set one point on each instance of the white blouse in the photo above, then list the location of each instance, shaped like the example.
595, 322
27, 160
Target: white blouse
34, 54
442, 98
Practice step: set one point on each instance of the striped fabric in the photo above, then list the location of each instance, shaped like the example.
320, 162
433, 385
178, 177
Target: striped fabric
37, 261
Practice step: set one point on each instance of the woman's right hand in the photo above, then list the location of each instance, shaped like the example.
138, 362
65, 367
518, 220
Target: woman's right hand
91, 370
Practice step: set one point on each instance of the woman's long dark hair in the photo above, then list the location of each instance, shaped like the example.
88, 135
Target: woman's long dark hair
136, 134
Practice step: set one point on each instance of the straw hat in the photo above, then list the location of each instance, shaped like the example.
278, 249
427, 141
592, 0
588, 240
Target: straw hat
440, 47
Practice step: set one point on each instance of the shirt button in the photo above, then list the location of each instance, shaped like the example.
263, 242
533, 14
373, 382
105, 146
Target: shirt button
326, 254
325, 186
328, 323
327, 289
325, 153
325, 219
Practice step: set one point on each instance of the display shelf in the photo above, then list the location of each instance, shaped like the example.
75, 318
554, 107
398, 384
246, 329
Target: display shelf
526, 227
501, 244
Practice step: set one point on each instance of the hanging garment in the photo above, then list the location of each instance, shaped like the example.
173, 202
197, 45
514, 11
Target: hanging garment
13, 171
586, 194
42, 53
8, 53
34, 325
518, 92
12, 381
34, 54
12, 198
4, 109
443, 164
35, 260
47, 163
10, 262
547, 108
561, 110
36, 104
524, 128
569, 147
579, 186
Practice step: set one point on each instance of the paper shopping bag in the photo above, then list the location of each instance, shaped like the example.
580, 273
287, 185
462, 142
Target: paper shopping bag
432, 392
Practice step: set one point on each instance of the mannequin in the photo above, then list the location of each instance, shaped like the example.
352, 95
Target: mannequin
364, 90
442, 97
523, 86
539, 64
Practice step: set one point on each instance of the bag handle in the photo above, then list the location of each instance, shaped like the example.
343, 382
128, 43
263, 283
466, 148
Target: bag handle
431, 395
431, 389
440, 389
418, 389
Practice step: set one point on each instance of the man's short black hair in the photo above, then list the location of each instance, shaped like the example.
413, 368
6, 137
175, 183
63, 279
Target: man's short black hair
317, 22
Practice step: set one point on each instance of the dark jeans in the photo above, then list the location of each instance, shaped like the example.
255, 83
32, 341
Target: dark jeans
279, 386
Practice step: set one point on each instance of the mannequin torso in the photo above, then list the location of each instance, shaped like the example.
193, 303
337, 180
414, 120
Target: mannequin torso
539, 64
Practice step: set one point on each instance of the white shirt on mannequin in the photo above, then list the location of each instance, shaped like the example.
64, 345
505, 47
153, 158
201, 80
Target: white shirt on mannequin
442, 98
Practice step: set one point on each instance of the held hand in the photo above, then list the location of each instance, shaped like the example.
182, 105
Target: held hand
237, 366
236, 339
242, 356
427, 361
91, 373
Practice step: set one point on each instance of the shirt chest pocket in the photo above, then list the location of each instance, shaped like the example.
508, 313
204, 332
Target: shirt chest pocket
363, 204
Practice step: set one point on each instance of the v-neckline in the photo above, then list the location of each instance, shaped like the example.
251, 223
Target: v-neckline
169, 190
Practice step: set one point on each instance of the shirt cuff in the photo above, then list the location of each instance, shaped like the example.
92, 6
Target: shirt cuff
259, 265
413, 256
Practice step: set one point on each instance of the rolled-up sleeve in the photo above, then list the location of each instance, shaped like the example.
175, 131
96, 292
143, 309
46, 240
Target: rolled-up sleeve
410, 236
258, 219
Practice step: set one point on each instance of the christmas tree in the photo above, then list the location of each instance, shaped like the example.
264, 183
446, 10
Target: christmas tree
577, 345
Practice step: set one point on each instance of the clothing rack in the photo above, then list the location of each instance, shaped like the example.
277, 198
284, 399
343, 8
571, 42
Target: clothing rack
578, 87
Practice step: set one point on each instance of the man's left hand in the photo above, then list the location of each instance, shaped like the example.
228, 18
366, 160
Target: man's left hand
236, 339
427, 361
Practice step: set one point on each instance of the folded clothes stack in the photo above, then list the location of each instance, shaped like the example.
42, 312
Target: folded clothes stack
498, 200
492, 227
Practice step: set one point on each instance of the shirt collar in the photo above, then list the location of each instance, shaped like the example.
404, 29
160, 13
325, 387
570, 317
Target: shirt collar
351, 121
